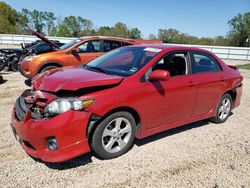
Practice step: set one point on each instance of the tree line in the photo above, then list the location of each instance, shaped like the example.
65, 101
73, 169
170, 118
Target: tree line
14, 22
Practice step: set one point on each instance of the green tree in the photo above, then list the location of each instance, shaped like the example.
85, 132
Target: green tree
35, 19
63, 31
53, 31
221, 41
73, 26
8, 19
105, 31
168, 35
240, 29
39, 20
120, 30
86, 26
22, 24
135, 33
50, 21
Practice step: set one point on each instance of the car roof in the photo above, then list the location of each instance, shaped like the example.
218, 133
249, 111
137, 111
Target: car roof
169, 47
133, 41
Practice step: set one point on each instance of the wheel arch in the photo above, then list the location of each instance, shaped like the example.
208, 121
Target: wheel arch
93, 122
232, 93
49, 64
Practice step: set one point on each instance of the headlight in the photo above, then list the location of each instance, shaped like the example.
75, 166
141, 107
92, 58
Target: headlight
62, 105
29, 58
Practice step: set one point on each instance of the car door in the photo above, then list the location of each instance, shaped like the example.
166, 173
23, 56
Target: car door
86, 52
173, 100
210, 82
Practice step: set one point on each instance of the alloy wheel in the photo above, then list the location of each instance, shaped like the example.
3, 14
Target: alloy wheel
116, 135
224, 109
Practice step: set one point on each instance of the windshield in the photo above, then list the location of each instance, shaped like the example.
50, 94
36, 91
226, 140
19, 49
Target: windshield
123, 61
68, 45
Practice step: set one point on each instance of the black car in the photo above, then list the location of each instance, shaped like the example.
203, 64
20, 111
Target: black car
9, 58
40, 48
31, 44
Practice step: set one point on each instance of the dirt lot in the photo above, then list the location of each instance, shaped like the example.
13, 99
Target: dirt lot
201, 154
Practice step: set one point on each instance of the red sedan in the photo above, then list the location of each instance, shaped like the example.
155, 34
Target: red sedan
134, 91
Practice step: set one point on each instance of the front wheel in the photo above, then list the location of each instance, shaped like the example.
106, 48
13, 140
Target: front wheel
14, 64
223, 109
114, 136
48, 68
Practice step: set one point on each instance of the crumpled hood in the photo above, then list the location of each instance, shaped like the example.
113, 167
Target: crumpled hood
72, 78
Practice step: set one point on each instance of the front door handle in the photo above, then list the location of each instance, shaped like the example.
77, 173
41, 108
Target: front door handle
191, 83
222, 79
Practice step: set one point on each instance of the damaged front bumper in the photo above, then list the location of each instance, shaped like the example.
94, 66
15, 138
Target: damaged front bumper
68, 129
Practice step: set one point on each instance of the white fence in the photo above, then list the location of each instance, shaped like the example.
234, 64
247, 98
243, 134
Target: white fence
224, 52
18, 39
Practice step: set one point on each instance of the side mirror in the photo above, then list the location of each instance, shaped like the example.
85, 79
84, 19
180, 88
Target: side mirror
159, 75
74, 50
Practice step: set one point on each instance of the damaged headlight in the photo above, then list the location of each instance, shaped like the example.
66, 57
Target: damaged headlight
62, 105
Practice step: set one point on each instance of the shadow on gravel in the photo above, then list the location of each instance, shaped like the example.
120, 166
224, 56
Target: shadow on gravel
73, 163
86, 158
2, 81
170, 132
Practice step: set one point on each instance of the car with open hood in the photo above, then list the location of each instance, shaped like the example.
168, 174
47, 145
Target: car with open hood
12, 56
76, 52
134, 91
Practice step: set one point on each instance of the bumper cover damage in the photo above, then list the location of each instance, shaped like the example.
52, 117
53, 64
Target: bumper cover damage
33, 131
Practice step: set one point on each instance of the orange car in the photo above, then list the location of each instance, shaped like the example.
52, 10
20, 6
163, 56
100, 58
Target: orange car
76, 52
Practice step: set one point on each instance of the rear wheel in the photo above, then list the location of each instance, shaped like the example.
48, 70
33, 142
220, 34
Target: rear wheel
114, 136
223, 109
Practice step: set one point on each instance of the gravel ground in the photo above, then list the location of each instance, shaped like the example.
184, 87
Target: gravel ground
200, 154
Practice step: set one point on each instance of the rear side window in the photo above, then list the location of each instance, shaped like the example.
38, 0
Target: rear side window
126, 44
110, 45
203, 62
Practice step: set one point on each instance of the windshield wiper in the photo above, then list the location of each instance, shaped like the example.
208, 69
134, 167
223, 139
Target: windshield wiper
99, 69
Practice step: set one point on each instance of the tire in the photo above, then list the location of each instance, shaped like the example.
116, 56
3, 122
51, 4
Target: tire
223, 109
114, 135
2, 65
14, 65
48, 68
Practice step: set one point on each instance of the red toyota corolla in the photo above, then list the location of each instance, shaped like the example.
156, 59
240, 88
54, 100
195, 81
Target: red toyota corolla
134, 91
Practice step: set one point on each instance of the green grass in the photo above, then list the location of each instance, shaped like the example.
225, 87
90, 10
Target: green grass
245, 66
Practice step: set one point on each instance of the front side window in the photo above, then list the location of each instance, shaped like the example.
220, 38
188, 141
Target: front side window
90, 47
202, 62
174, 63
70, 44
123, 61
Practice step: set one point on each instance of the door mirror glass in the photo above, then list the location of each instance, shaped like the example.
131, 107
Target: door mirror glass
159, 75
